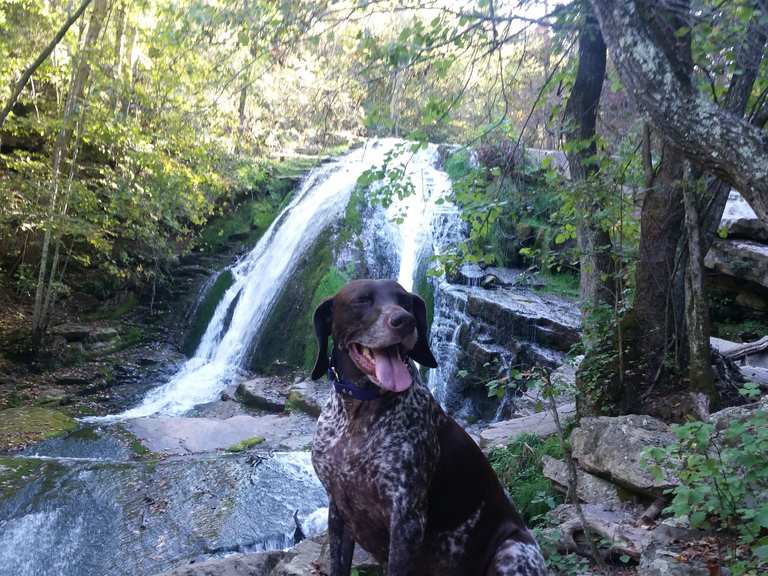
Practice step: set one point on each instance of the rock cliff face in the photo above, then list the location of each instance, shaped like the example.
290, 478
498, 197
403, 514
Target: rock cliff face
737, 267
486, 334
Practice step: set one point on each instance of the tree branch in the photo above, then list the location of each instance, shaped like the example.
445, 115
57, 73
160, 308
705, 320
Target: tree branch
39, 60
714, 138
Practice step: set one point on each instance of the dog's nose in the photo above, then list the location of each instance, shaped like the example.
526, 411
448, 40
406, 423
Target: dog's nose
401, 320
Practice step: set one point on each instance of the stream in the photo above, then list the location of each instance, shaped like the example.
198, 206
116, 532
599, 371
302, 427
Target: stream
97, 502
86, 505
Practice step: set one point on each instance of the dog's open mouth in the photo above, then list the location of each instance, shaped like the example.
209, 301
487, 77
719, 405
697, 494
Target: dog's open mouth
386, 366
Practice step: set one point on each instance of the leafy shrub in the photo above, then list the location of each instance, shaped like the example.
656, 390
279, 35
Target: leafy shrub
520, 470
723, 485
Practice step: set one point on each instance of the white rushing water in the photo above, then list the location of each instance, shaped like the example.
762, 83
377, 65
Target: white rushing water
260, 275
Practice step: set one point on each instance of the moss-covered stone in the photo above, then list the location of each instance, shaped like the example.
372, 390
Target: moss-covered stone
287, 338
25, 425
246, 444
205, 311
15, 473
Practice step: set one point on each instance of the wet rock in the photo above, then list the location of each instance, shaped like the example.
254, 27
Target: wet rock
542, 424
612, 447
526, 316
151, 515
184, 435
265, 393
742, 259
590, 489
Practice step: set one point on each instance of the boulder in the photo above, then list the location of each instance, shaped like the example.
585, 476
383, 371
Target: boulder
590, 489
728, 416
756, 374
266, 393
668, 560
612, 447
260, 564
311, 557
740, 220
308, 558
743, 259
542, 424
308, 396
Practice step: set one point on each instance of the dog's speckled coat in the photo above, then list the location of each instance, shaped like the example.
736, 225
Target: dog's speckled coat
411, 487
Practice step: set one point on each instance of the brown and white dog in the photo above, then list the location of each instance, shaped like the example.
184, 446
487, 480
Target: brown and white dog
404, 480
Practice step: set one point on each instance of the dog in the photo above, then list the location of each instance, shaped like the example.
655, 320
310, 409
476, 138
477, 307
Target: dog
404, 480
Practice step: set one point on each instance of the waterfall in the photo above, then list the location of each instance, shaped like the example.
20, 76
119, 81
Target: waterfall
405, 226
258, 279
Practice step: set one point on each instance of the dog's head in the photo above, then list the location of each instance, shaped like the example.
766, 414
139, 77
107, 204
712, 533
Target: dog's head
378, 325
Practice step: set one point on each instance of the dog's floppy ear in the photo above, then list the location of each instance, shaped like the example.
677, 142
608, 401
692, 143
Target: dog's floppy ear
322, 321
421, 352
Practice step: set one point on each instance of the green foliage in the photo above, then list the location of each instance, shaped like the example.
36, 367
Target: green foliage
560, 283
723, 475
458, 165
519, 468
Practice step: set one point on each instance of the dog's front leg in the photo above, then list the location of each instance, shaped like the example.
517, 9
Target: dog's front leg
341, 543
406, 536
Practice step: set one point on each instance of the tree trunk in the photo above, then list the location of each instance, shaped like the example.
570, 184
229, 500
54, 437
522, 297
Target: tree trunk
711, 136
77, 85
27, 74
596, 265
696, 313
241, 116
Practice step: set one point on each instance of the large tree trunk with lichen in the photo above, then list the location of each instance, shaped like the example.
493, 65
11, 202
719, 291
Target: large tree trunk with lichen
711, 136
665, 348
653, 352
596, 263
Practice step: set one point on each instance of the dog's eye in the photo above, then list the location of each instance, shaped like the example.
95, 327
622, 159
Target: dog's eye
362, 300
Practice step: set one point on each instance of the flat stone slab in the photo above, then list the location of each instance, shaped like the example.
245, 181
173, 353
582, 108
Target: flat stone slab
542, 424
185, 435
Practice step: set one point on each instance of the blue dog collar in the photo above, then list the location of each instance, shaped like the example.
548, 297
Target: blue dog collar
351, 390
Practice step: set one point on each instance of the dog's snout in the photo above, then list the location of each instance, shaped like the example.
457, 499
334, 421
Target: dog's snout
401, 320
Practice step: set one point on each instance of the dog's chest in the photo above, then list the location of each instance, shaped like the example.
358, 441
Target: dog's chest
371, 459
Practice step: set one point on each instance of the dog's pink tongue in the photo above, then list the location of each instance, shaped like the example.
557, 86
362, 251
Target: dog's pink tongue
391, 371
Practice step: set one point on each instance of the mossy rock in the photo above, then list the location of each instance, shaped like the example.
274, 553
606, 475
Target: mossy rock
25, 425
205, 311
16, 473
246, 444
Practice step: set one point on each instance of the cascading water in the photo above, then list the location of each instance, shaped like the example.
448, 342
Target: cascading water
405, 228
258, 279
